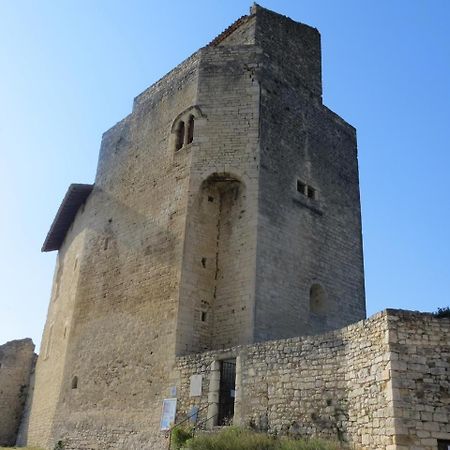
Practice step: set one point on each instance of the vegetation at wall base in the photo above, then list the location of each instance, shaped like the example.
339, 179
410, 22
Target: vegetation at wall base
180, 436
20, 448
234, 438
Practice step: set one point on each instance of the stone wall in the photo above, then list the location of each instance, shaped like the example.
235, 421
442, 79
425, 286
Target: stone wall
17, 360
218, 279
210, 244
420, 372
378, 384
309, 238
162, 258
109, 339
49, 377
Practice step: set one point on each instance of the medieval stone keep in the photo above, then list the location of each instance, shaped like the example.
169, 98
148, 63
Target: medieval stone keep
214, 271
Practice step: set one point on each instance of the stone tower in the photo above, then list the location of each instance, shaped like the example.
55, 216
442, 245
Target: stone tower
225, 211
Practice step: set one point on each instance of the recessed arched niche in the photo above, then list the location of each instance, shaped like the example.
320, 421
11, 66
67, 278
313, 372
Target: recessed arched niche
318, 299
220, 230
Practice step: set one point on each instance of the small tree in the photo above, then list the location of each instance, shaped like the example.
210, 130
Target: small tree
443, 312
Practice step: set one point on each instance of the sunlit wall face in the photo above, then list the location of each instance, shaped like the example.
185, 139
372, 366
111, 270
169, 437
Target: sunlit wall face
69, 72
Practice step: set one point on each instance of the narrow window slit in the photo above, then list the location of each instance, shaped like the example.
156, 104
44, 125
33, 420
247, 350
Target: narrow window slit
180, 136
311, 192
301, 187
190, 130
317, 299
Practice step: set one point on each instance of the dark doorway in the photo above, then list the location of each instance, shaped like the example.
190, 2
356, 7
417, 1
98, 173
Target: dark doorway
227, 392
443, 445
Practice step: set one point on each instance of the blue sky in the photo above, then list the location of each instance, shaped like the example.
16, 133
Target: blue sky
69, 71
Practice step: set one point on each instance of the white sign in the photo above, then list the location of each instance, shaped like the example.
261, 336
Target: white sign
196, 386
169, 410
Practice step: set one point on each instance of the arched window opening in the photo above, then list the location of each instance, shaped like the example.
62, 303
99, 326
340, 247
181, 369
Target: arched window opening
182, 130
180, 136
190, 130
75, 382
317, 299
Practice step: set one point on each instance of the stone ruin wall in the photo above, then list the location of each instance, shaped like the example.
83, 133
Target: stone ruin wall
380, 383
17, 360
420, 371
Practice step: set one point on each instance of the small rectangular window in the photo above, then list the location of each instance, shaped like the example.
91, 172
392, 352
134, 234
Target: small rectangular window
301, 187
311, 192
203, 316
307, 190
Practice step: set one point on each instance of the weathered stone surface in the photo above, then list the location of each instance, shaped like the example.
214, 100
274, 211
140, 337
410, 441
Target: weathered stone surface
380, 383
17, 360
243, 229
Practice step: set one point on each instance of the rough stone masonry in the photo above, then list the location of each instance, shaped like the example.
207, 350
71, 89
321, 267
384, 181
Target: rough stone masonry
382, 383
216, 264
17, 361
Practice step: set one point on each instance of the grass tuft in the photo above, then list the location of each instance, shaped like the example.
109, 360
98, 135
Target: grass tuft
240, 439
20, 448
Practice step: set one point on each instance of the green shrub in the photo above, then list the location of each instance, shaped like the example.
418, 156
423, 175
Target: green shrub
20, 448
443, 312
179, 437
240, 439
232, 439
